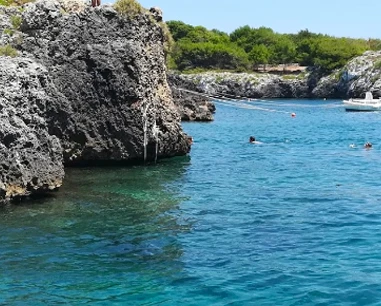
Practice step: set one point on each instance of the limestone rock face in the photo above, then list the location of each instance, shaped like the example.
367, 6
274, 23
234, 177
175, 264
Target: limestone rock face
248, 85
368, 78
191, 107
361, 74
30, 158
9, 35
87, 87
73, 6
109, 70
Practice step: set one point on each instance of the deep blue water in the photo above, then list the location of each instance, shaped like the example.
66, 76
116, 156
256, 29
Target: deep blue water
293, 221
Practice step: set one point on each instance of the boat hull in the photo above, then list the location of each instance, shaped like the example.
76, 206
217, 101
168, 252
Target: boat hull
349, 109
362, 105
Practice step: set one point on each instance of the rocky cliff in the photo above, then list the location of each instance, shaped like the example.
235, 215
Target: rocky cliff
191, 107
251, 85
361, 74
30, 157
87, 86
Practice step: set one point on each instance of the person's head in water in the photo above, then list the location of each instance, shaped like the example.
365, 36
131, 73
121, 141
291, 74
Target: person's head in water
368, 145
252, 139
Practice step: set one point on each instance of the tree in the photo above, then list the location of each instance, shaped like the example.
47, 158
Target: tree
283, 51
265, 36
305, 51
331, 53
259, 54
207, 55
179, 29
246, 37
212, 49
220, 37
240, 33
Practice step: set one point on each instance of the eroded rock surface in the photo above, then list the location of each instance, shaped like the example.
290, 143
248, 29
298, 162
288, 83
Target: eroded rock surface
361, 74
256, 85
30, 158
192, 107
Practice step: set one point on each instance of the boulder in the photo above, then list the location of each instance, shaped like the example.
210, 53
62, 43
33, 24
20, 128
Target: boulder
157, 13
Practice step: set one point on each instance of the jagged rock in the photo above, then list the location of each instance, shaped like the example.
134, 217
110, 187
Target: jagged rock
73, 6
248, 85
80, 92
359, 75
157, 13
108, 68
325, 87
368, 78
8, 34
191, 107
30, 158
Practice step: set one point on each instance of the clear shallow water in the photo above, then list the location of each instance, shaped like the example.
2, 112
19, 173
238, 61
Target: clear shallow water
294, 221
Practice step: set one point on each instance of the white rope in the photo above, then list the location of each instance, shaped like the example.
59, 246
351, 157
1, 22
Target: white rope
236, 102
247, 106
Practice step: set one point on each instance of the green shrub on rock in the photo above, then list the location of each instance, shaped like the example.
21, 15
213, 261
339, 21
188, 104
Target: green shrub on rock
168, 39
8, 50
14, 2
9, 31
129, 8
377, 64
16, 21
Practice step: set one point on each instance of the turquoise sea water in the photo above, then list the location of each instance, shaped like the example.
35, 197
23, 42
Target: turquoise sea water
293, 221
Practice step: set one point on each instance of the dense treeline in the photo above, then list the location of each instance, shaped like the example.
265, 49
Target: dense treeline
248, 48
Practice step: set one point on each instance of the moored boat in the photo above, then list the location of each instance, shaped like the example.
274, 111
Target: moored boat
363, 105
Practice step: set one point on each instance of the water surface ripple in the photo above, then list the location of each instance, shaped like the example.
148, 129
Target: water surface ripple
293, 221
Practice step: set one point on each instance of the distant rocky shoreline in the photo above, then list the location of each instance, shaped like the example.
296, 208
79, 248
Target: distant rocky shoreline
361, 74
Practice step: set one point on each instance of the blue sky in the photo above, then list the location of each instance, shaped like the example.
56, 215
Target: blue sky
348, 18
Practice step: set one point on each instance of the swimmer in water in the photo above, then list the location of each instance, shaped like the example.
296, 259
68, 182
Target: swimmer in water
368, 145
252, 140
352, 145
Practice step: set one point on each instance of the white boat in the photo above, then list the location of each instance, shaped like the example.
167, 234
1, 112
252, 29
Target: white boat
363, 105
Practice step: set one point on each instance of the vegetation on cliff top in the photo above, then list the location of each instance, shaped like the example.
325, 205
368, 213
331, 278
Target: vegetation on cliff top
14, 2
8, 50
129, 8
247, 48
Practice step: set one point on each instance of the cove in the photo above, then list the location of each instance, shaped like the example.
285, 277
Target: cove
293, 221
